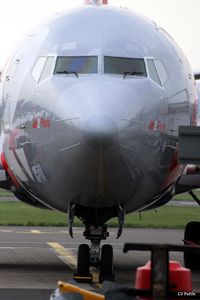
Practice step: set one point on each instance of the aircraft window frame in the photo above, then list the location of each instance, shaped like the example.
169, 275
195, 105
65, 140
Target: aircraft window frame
86, 68
121, 69
152, 71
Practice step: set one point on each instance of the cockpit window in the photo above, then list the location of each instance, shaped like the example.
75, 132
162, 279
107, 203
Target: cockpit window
161, 71
48, 68
153, 74
76, 65
38, 67
43, 68
124, 66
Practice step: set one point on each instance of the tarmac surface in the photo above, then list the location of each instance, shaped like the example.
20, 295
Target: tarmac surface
32, 259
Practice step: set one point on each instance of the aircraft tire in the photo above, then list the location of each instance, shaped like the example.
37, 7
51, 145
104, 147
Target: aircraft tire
192, 234
83, 262
106, 272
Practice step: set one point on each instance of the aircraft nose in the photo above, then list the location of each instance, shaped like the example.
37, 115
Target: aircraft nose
100, 132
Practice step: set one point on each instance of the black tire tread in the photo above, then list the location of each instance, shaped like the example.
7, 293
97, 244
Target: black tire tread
83, 259
192, 234
107, 260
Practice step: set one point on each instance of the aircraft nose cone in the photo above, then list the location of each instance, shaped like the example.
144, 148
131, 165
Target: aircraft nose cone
100, 132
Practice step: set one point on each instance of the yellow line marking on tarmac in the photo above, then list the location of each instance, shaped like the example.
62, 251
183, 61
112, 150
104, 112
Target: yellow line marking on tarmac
69, 258
66, 255
35, 231
95, 276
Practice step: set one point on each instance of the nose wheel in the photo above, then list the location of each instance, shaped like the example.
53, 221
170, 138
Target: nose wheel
83, 264
106, 270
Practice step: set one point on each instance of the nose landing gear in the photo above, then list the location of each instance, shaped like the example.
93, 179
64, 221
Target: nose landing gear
95, 256
95, 220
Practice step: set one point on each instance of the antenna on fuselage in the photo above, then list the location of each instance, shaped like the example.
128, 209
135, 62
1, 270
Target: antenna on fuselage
96, 2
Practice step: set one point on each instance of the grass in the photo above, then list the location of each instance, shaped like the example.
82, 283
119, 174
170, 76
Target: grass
166, 217
5, 193
20, 214
186, 196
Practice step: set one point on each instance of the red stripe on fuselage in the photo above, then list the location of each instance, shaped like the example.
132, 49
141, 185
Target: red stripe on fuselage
9, 171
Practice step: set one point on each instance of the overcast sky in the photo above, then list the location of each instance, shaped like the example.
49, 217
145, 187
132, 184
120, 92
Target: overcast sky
180, 18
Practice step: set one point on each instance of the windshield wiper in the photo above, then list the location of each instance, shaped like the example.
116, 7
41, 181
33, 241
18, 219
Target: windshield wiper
67, 72
131, 73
